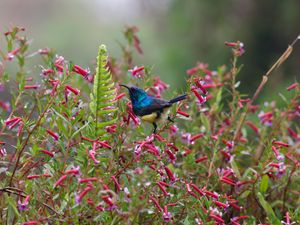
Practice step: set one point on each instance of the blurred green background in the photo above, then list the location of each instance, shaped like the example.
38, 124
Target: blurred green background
174, 34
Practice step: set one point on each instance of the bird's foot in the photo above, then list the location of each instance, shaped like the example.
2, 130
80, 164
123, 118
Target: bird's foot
155, 127
171, 120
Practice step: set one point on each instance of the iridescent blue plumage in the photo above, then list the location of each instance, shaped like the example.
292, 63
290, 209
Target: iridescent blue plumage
149, 107
139, 99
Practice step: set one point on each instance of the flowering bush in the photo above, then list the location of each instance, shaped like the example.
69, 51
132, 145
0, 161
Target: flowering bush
73, 152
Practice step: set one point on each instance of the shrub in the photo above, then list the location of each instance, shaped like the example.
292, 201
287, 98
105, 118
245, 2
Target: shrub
73, 152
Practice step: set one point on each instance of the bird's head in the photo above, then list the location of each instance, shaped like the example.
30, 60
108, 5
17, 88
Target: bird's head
135, 93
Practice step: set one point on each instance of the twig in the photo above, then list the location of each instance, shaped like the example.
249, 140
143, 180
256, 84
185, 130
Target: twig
16, 191
28, 137
286, 188
281, 59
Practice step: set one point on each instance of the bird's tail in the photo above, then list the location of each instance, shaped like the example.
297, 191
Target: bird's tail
177, 99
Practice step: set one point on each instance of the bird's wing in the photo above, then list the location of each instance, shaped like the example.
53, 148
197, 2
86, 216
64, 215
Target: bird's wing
156, 105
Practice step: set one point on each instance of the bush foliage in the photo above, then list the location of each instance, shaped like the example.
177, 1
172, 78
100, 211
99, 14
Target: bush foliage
73, 152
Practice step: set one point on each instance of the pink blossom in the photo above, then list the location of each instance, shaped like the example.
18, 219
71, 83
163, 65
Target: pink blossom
167, 216
137, 71
73, 90
201, 159
183, 113
31, 86
51, 154
13, 53
5, 106
60, 181
92, 154
52, 134
87, 180
170, 174
292, 86
81, 195
156, 204
46, 72
23, 206
79, 70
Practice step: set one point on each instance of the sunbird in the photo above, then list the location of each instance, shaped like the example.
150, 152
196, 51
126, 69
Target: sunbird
149, 108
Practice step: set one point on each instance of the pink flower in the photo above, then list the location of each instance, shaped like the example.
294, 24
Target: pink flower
201, 159
111, 129
60, 181
44, 51
292, 86
252, 126
23, 206
197, 136
59, 63
183, 113
162, 188
137, 71
266, 118
227, 180
186, 138
79, 70
201, 99
5, 106
87, 180
13, 122
120, 96
108, 200
156, 203
171, 155
216, 218
52, 134
51, 154
280, 143
221, 204
170, 174
117, 184
79, 197
199, 83
237, 47
199, 66
74, 171
12, 54
31, 86
32, 222
167, 216
3, 152
46, 72
173, 129
71, 89
92, 154
198, 190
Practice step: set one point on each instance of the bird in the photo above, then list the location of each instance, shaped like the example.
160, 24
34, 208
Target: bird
149, 108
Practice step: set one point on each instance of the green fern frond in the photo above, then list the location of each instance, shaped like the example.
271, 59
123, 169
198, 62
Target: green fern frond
103, 105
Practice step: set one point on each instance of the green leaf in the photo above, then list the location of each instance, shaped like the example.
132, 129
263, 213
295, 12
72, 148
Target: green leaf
264, 184
205, 121
235, 168
245, 194
80, 129
102, 102
12, 208
268, 209
61, 116
186, 221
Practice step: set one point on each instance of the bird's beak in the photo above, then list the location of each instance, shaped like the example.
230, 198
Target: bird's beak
125, 86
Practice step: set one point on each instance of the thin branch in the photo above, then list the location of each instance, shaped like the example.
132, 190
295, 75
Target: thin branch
281, 59
19, 192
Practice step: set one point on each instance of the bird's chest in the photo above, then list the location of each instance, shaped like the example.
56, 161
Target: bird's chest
156, 116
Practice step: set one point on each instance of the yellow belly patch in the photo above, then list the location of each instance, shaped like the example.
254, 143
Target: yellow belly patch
151, 118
